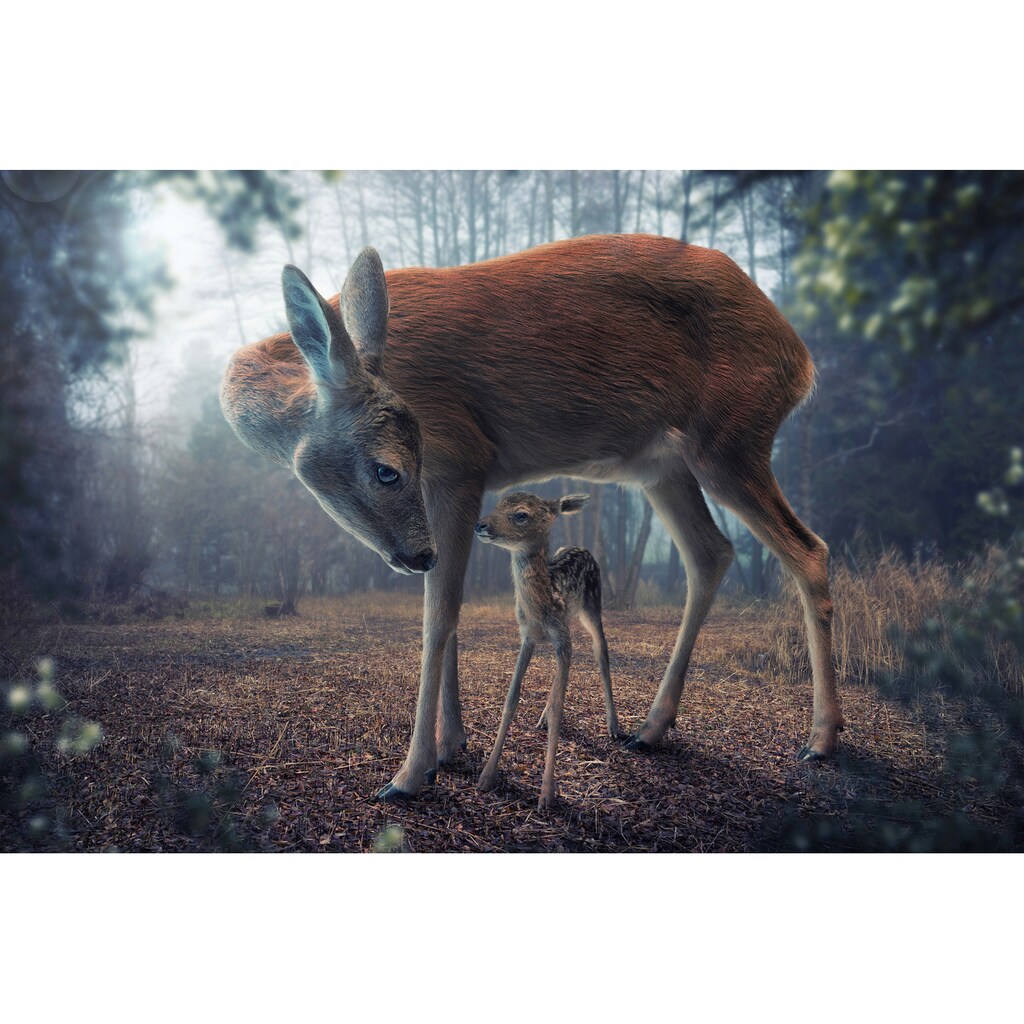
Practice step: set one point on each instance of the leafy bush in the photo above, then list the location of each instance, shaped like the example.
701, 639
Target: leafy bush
963, 647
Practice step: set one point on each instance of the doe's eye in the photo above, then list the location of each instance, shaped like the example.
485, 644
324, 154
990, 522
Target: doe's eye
520, 517
385, 474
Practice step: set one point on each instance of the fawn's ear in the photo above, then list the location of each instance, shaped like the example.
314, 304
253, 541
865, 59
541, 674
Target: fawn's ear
572, 503
364, 308
317, 330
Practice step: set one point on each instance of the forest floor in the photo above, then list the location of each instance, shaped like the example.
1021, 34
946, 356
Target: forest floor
307, 717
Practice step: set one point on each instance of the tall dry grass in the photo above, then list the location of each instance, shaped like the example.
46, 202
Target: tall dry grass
879, 604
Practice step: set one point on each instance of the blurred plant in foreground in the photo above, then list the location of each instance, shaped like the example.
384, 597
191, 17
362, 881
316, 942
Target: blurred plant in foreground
208, 806
390, 840
24, 787
923, 260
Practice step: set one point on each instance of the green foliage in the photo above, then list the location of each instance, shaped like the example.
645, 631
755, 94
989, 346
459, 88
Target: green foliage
909, 294
240, 201
917, 261
390, 840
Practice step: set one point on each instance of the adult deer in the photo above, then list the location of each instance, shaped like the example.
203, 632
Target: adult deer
624, 358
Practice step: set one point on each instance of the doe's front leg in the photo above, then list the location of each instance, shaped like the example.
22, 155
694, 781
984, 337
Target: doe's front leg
450, 733
420, 765
451, 519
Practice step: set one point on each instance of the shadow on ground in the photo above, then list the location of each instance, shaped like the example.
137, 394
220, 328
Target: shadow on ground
310, 716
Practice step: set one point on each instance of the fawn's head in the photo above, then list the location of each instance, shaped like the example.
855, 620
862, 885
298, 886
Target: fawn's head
522, 521
360, 453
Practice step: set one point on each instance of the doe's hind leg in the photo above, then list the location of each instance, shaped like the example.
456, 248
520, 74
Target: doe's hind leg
706, 555
753, 493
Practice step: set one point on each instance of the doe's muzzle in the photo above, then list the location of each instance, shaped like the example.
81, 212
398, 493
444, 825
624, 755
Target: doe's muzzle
423, 562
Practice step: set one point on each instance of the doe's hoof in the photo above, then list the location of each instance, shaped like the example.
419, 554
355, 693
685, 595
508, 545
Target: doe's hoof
806, 754
431, 776
637, 744
391, 794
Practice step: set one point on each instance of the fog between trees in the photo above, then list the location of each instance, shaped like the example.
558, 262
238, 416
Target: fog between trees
124, 295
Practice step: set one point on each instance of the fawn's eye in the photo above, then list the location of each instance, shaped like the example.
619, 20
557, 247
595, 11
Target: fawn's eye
520, 517
385, 474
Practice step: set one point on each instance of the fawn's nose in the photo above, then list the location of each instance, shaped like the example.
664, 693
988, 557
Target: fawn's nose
423, 562
482, 529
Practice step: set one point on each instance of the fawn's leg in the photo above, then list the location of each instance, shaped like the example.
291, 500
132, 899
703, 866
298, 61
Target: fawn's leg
556, 702
591, 620
490, 772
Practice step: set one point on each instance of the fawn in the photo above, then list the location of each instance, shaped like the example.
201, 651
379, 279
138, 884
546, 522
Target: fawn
548, 591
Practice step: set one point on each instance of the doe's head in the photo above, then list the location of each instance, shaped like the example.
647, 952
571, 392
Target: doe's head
360, 453
521, 521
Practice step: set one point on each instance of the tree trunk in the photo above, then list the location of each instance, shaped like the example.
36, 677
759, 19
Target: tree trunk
485, 197
756, 567
533, 211
687, 185
418, 208
633, 578
364, 226
471, 214
549, 206
639, 201
622, 514
713, 229
672, 579
757, 587
433, 215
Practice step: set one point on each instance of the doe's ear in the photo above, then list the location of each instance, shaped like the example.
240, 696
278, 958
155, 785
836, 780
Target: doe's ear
364, 308
308, 323
572, 503
317, 331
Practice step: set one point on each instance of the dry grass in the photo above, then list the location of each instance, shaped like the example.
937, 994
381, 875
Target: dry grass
878, 602
314, 714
